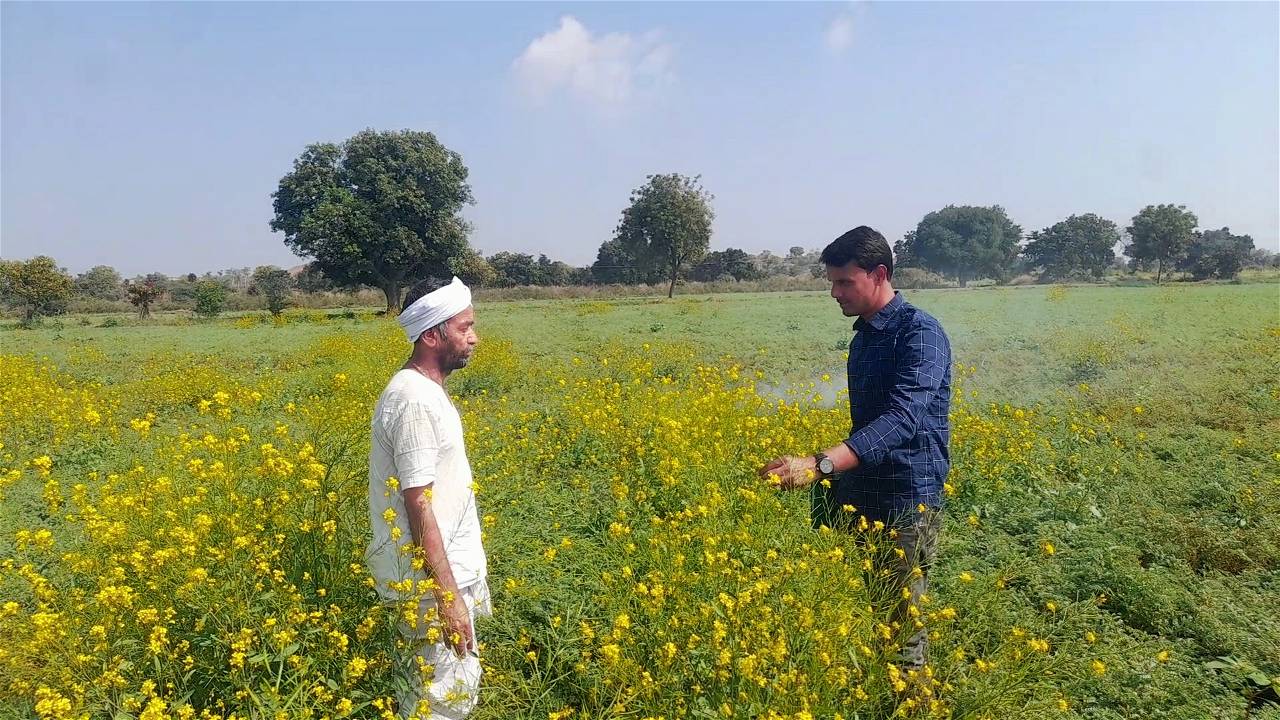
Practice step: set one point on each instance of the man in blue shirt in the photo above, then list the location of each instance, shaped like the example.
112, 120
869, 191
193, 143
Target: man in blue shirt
892, 466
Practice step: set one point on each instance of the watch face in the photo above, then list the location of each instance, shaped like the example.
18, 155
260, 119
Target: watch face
826, 466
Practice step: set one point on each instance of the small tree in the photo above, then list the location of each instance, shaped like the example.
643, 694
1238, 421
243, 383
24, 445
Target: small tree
513, 268
668, 223
473, 269
904, 251
554, 272
101, 282
273, 284
142, 293
38, 286
1217, 253
1161, 234
211, 297
733, 263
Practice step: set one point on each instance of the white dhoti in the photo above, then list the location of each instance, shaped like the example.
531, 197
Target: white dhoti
455, 683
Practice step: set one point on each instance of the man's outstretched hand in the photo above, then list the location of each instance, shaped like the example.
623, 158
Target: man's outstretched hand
792, 473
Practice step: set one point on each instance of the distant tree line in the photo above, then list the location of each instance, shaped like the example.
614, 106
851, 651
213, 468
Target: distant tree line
383, 210
40, 287
966, 243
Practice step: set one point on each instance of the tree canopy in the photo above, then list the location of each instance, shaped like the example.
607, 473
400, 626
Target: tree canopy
380, 209
667, 225
37, 285
1161, 234
1080, 246
964, 242
1217, 254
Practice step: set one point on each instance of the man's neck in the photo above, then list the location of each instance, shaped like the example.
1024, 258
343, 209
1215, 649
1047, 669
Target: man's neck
884, 299
427, 366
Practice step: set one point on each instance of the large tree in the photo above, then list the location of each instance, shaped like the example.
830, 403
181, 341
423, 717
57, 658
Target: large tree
964, 242
1161, 234
668, 224
1217, 253
38, 286
1081, 245
381, 209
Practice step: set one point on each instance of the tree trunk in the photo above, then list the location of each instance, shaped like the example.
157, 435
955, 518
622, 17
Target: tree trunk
672, 289
1159, 270
391, 289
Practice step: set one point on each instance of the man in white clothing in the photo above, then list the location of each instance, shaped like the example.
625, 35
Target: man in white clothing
422, 508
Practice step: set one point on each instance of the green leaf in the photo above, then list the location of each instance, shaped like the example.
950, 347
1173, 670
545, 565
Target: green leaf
1259, 678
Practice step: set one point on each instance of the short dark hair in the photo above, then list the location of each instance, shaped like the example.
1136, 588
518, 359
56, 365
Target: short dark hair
421, 288
861, 245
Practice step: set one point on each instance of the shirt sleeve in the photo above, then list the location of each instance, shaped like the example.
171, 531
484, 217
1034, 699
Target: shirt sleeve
922, 356
415, 446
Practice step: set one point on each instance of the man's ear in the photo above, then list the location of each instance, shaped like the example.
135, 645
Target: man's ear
433, 337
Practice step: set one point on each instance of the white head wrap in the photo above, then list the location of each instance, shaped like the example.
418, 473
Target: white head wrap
434, 308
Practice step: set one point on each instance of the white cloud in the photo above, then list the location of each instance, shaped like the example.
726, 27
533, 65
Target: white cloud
604, 69
839, 35
843, 30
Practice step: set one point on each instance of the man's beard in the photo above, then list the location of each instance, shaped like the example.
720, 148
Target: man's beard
458, 360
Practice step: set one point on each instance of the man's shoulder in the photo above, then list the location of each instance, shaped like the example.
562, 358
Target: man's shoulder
912, 318
410, 388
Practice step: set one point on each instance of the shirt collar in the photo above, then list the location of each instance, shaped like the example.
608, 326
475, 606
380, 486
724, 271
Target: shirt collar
880, 320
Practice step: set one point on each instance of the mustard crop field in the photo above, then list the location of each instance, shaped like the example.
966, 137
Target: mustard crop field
184, 513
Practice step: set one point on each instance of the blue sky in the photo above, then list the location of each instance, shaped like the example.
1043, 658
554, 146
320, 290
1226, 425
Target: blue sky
150, 136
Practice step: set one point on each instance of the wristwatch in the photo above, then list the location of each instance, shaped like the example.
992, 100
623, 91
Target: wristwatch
826, 468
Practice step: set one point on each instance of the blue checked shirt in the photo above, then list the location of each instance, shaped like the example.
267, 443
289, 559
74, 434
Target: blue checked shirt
899, 398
